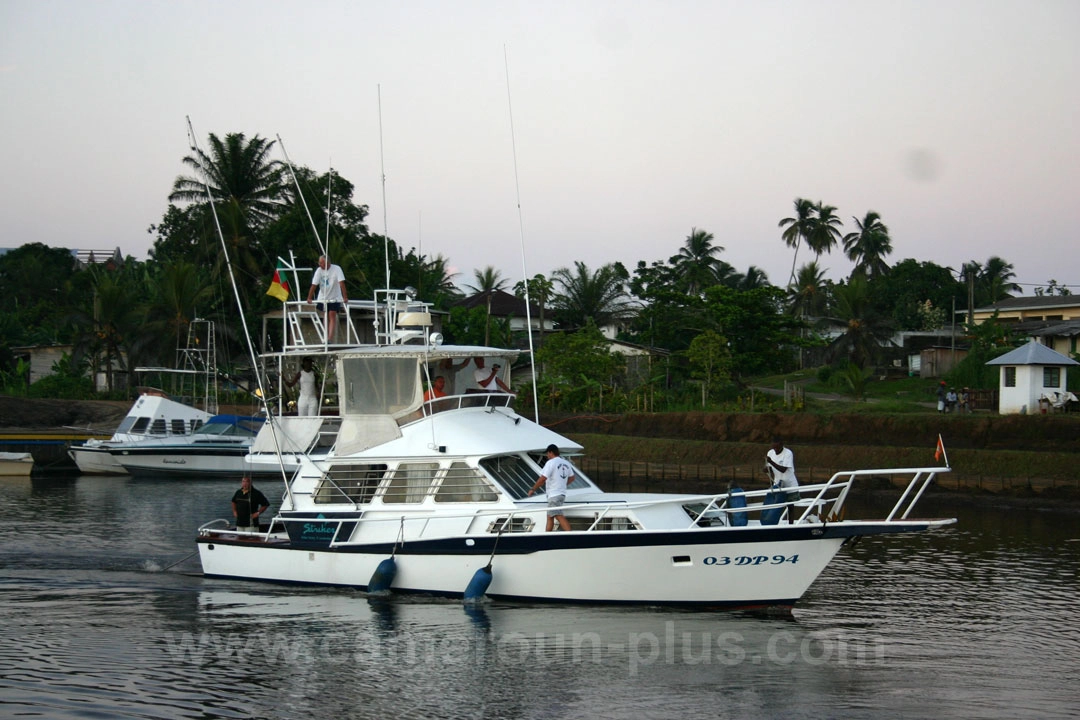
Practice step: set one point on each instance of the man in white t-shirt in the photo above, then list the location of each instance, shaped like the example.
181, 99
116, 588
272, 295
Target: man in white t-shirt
780, 462
329, 280
489, 380
557, 474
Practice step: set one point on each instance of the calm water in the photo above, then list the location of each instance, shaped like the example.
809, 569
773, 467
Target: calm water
976, 621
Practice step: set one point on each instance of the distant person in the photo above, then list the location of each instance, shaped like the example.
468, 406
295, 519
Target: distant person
308, 404
247, 505
437, 389
780, 462
329, 280
951, 400
557, 474
965, 401
488, 380
941, 397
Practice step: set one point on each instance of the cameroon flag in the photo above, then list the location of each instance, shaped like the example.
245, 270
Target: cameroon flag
279, 286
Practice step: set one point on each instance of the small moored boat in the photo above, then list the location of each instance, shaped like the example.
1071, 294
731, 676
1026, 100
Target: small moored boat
16, 464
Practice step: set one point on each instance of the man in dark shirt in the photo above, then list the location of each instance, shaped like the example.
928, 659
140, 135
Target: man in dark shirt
247, 505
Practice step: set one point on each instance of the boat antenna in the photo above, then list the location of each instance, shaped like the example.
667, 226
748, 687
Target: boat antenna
521, 235
300, 194
382, 172
263, 398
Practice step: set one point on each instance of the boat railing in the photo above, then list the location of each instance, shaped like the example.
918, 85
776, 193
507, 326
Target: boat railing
477, 399
817, 503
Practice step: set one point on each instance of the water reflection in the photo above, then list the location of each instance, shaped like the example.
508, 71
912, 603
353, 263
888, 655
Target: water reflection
976, 620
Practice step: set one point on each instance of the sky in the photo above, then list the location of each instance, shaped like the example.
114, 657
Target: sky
621, 125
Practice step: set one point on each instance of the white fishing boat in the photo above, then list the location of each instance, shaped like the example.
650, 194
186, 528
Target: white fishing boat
219, 448
160, 415
16, 464
401, 494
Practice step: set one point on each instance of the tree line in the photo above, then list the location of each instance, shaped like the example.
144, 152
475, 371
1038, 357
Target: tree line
712, 326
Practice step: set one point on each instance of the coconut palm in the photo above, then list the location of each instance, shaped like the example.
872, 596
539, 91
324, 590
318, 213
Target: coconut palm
808, 295
696, 264
487, 280
868, 246
239, 172
995, 279
600, 296
246, 187
824, 229
865, 331
797, 228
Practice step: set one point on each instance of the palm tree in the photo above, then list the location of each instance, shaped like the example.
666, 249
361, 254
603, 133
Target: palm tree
436, 281
585, 295
868, 246
239, 172
824, 229
808, 296
540, 291
865, 332
178, 291
488, 281
696, 264
797, 228
995, 279
246, 187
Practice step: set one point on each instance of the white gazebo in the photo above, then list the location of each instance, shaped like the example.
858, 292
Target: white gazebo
1031, 377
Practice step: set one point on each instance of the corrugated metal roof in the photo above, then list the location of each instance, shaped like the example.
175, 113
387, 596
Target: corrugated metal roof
1033, 353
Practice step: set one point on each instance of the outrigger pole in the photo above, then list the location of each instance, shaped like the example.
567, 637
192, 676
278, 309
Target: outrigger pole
240, 308
521, 235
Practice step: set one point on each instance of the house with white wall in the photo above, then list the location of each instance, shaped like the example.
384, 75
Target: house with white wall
1029, 374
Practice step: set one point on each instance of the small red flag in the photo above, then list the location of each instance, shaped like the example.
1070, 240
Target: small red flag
940, 452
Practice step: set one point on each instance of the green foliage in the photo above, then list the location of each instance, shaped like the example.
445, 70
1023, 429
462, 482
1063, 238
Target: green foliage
762, 338
68, 381
901, 294
578, 370
710, 362
854, 379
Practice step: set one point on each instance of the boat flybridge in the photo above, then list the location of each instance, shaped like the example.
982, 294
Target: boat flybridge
397, 493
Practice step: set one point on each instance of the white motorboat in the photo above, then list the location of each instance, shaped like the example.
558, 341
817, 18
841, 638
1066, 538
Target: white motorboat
217, 449
158, 415
152, 416
410, 496
16, 464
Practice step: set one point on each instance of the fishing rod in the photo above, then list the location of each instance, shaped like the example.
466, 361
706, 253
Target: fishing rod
240, 308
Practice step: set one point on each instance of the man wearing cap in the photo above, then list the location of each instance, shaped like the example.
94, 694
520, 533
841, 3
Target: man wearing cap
557, 474
941, 397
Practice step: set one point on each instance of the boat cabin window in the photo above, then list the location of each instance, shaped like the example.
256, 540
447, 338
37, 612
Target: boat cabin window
349, 483
517, 475
140, 425
158, 426
465, 484
379, 386
410, 483
179, 427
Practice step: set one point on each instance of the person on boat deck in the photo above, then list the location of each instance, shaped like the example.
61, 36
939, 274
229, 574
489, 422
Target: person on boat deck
329, 280
437, 389
488, 380
780, 462
308, 404
557, 474
247, 505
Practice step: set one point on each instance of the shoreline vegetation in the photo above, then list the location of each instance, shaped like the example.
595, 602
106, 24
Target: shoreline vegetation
1014, 456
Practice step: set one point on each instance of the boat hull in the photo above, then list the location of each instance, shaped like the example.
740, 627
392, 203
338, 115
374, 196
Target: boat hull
16, 464
95, 460
203, 462
725, 567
